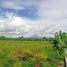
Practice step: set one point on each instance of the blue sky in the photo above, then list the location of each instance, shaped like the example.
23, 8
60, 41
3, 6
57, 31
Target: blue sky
32, 17
28, 12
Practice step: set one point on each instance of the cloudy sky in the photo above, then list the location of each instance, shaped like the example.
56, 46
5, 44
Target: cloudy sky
32, 17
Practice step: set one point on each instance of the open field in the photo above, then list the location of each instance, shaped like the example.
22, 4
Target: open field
27, 54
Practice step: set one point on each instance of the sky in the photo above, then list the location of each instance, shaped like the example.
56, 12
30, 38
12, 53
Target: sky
32, 17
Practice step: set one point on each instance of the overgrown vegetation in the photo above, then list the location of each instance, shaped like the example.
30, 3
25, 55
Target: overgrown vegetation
33, 52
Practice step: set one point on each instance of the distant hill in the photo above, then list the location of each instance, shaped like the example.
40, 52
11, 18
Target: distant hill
36, 36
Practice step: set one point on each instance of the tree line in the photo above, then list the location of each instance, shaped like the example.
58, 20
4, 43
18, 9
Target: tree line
60, 37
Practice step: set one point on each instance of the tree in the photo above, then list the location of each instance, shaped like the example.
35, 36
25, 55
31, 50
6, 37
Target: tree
20, 37
2, 37
44, 37
59, 42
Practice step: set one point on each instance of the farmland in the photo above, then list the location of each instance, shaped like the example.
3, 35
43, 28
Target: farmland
28, 54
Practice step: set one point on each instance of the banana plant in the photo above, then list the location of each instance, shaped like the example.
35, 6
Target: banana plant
59, 42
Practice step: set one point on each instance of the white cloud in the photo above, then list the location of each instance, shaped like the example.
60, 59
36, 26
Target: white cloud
16, 4
52, 17
53, 12
11, 4
14, 25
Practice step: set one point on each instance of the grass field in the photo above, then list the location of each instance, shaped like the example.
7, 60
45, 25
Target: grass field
27, 54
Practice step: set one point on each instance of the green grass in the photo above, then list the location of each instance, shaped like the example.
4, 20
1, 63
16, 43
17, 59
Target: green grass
27, 54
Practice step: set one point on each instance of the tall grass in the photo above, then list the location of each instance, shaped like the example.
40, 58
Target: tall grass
27, 54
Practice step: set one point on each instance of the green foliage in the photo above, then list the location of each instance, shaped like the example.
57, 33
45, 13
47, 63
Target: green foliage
60, 41
26, 52
30, 52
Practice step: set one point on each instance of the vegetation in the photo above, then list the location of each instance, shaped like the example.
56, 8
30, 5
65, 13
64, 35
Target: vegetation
33, 52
